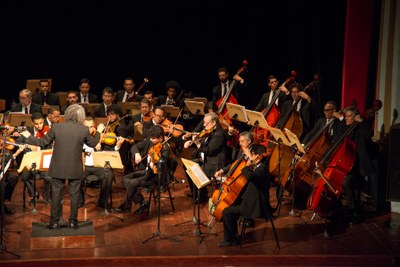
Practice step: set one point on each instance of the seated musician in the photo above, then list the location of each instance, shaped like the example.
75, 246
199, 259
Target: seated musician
117, 128
108, 98
254, 201
105, 175
52, 117
363, 165
45, 97
172, 97
145, 115
266, 98
127, 95
149, 95
25, 104
211, 152
221, 89
38, 130
146, 154
72, 98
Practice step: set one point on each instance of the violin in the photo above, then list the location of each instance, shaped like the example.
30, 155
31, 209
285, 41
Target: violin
10, 144
148, 116
112, 138
155, 155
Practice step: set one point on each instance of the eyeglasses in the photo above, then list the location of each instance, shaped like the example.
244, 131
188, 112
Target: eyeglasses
156, 115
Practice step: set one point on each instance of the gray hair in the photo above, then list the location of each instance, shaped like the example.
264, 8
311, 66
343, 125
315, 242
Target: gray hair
213, 116
75, 113
247, 135
26, 92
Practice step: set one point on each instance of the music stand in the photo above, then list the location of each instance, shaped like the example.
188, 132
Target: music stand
33, 162
170, 111
201, 180
1, 118
89, 108
19, 119
256, 119
201, 99
237, 112
195, 107
107, 160
138, 131
129, 107
102, 120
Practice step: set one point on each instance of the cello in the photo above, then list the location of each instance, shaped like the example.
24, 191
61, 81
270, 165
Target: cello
342, 155
271, 115
282, 156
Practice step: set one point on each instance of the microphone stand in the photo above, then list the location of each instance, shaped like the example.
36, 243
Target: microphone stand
3, 243
158, 232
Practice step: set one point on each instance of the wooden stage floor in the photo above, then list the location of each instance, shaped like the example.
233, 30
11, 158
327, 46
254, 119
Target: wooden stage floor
375, 242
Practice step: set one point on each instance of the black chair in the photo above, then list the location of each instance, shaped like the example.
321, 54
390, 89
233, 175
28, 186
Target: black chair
245, 222
171, 165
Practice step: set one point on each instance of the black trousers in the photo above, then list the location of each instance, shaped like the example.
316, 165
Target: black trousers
230, 216
106, 177
57, 186
132, 183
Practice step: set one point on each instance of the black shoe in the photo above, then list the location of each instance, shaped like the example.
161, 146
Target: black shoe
228, 243
250, 223
143, 209
52, 226
73, 224
120, 210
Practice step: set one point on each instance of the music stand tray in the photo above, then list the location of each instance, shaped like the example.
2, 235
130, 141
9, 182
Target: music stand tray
237, 112
19, 119
257, 119
195, 107
129, 107
170, 111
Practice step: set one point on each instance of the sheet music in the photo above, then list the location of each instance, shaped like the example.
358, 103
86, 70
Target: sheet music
200, 174
46, 161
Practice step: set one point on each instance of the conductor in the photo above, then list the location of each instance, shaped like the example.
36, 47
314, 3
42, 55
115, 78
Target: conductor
66, 163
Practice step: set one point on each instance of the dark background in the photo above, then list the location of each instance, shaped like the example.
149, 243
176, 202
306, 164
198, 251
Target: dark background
186, 41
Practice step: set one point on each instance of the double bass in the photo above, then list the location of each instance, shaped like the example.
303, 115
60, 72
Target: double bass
271, 115
341, 157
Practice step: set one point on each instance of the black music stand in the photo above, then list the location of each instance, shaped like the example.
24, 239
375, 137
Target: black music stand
159, 178
200, 180
106, 160
3, 243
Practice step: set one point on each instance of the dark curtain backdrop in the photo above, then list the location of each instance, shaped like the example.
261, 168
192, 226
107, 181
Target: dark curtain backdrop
186, 41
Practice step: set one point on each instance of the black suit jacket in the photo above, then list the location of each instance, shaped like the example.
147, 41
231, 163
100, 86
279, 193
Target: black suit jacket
217, 90
92, 98
100, 111
265, 98
162, 99
143, 148
34, 108
318, 126
51, 99
120, 96
66, 161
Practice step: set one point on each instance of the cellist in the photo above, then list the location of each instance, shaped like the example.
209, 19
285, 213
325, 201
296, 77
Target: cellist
254, 201
363, 165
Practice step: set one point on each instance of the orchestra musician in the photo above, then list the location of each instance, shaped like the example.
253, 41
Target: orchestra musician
38, 130
211, 151
70, 136
85, 96
149, 95
363, 165
127, 94
108, 98
52, 117
145, 115
172, 88
221, 89
146, 154
72, 98
25, 104
266, 98
254, 201
44, 96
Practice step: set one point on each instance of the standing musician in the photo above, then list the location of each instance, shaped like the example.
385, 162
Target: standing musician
146, 154
266, 98
304, 106
363, 165
211, 153
39, 130
254, 201
222, 88
66, 161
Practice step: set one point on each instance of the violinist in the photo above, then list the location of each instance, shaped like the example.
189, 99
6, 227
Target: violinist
363, 166
39, 130
211, 151
157, 119
254, 201
147, 155
121, 132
